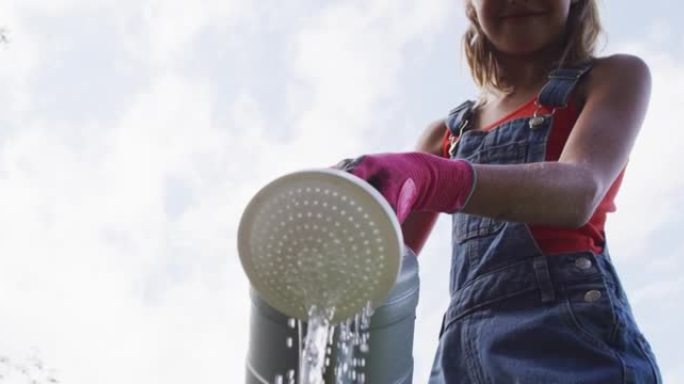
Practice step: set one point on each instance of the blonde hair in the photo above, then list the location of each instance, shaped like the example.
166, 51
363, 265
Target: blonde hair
581, 35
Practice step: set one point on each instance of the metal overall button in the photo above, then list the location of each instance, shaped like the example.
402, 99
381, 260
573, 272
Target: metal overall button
583, 263
536, 120
592, 296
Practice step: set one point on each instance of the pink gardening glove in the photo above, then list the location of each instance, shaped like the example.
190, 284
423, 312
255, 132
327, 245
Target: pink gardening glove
416, 181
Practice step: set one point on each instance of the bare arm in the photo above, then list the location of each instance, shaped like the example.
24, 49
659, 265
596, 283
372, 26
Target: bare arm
567, 192
418, 225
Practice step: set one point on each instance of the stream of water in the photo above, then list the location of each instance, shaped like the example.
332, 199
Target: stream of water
341, 348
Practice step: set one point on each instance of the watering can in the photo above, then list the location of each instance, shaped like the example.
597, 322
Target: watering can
326, 238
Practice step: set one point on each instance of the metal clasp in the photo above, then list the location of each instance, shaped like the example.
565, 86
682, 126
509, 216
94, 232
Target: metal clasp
453, 140
536, 120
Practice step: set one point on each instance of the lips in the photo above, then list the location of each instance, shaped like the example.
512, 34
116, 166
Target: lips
521, 15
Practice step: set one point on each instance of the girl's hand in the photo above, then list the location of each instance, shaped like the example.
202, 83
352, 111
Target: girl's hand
416, 181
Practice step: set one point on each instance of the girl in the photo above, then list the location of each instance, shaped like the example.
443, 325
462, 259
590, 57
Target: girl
534, 166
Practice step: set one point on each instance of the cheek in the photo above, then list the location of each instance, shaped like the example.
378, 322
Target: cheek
557, 26
486, 13
491, 26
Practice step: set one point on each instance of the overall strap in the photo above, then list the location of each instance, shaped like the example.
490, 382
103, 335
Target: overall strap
458, 121
562, 82
459, 117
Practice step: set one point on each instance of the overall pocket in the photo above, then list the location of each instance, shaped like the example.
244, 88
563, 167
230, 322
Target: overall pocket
590, 310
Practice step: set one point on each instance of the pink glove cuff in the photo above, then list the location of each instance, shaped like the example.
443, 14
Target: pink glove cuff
417, 181
452, 186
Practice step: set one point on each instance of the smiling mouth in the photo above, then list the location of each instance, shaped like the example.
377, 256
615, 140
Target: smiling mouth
522, 15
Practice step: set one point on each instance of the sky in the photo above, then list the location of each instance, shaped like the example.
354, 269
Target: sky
133, 134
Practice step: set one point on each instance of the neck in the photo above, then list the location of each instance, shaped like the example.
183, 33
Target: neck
526, 72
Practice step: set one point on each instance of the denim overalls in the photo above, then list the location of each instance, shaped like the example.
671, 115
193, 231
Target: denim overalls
516, 315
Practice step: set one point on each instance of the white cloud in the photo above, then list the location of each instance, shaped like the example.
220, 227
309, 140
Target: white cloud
98, 273
159, 32
18, 59
346, 64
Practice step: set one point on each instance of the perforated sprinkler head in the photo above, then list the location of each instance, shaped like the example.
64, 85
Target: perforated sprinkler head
321, 238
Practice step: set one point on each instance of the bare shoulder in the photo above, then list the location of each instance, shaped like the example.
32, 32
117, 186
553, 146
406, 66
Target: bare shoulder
625, 72
431, 139
621, 66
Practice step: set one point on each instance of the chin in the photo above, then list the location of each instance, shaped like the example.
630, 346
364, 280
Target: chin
520, 49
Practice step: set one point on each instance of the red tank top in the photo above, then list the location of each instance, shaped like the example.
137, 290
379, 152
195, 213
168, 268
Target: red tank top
557, 239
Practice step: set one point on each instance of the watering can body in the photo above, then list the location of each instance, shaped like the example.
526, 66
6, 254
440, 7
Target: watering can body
274, 348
